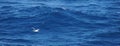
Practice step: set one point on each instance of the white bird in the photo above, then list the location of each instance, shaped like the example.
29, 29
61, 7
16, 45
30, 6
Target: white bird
35, 30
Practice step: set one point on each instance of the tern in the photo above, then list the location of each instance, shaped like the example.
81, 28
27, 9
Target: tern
35, 30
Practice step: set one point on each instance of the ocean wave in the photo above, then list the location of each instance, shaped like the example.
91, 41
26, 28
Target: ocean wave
61, 22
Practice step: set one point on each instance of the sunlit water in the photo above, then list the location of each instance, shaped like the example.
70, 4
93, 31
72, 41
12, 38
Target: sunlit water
60, 22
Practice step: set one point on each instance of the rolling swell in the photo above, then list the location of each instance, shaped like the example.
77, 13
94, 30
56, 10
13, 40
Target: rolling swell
94, 23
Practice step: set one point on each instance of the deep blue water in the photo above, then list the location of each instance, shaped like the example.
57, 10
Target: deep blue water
61, 22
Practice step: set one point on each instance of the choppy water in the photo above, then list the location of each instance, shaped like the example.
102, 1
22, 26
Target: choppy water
61, 22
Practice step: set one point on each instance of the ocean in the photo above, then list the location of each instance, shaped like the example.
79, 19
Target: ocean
59, 22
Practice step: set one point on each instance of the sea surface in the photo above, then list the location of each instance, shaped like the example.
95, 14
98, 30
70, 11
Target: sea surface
60, 22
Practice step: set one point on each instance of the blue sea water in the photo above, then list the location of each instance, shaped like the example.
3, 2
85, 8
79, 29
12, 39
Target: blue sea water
61, 22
